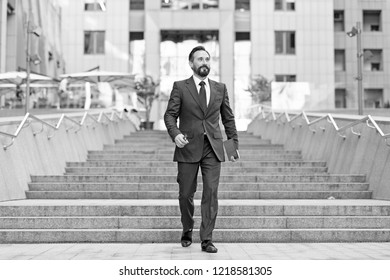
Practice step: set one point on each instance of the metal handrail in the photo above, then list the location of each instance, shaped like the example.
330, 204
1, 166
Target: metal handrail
368, 119
378, 129
87, 115
13, 136
64, 117
101, 115
28, 117
115, 114
43, 123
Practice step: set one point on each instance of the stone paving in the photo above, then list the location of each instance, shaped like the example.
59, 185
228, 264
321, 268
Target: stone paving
227, 251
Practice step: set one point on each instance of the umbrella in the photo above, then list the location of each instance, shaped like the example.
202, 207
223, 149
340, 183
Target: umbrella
118, 79
15, 78
10, 81
34, 85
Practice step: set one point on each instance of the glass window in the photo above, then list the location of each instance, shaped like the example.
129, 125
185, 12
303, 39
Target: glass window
279, 42
285, 78
373, 60
373, 98
278, 5
95, 5
175, 47
284, 5
339, 60
210, 4
137, 4
290, 42
137, 52
290, 5
189, 4
340, 98
243, 36
372, 21
94, 42
338, 19
285, 42
243, 5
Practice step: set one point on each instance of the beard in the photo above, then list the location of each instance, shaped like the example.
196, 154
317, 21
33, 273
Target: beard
202, 71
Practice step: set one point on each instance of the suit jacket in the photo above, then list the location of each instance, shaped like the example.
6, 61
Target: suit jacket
184, 107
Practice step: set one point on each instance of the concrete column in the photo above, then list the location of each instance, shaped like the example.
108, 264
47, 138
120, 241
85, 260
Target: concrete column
3, 37
226, 46
3, 33
152, 38
152, 45
152, 50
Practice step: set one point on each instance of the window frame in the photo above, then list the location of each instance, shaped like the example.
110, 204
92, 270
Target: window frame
191, 5
286, 39
285, 78
343, 63
96, 6
367, 25
94, 40
339, 21
283, 5
242, 5
137, 5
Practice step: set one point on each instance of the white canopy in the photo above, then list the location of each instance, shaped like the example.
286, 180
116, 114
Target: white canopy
118, 79
19, 78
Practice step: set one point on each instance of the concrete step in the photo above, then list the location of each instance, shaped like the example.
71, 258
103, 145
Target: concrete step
167, 157
173, 236
136, 141
198, 195
241, 136
118, 150
147, 145
243, 164
173, 222
224, 178
173, 170
128, 193
169, 207
162, 187
158, 221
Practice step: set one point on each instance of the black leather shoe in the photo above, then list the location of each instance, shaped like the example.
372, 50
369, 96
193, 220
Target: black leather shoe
186, 238
208, 247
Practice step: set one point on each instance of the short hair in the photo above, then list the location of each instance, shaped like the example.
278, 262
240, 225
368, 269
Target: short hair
194, 50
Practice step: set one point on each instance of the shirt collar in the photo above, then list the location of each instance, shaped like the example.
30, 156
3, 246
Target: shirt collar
197, 81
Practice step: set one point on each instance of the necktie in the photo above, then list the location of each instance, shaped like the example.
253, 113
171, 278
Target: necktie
202, 95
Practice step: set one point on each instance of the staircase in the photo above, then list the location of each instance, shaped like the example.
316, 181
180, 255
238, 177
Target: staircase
128, 193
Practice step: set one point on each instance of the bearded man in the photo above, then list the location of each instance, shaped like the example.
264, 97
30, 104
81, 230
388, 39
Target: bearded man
198, 104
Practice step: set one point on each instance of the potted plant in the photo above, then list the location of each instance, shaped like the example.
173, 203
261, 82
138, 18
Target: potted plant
260, 89
145, 88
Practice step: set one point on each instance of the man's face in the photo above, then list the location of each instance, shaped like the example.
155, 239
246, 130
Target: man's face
201, 63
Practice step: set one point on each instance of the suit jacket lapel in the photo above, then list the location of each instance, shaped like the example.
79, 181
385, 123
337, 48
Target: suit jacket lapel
194, 91
213, 93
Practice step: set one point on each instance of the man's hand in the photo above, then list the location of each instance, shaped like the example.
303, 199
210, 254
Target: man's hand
181, 140
233, 158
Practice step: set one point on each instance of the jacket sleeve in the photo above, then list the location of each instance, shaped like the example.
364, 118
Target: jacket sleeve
228, 120
173, 111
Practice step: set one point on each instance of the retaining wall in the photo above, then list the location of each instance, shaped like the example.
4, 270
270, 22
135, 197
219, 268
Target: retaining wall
38, 155
366, 154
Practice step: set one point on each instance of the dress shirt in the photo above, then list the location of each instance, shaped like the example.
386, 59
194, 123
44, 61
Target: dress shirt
206, 86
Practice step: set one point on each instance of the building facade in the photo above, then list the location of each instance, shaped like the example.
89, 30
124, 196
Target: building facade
40, 20
44, 15
281, 40
375, 24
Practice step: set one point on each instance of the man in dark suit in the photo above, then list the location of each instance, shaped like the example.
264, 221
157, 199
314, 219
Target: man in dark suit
199, 103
